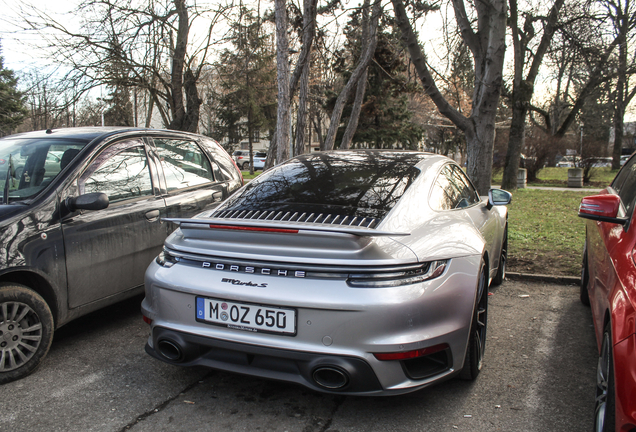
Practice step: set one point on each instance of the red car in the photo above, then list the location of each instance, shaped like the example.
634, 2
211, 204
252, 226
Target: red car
608, 279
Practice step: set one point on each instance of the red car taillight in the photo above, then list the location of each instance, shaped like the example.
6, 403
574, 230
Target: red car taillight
411, 354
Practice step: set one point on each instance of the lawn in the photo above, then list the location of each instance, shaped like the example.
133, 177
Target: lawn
545, 235
553, 176
248, 176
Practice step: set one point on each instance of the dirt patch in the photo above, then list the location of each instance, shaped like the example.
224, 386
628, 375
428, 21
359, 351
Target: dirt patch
550, 263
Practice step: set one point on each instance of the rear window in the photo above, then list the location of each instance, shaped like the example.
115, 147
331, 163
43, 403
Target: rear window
348, 183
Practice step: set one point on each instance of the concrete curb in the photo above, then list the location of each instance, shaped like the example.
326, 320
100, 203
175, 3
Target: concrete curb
563, 280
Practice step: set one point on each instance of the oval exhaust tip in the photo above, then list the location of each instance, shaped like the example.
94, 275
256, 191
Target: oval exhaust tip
330, 377
170, 350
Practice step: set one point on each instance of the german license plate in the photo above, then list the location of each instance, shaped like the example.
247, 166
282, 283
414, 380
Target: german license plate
245, 316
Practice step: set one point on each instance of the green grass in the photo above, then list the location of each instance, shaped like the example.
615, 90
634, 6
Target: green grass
553, 176
545, 235
248, 176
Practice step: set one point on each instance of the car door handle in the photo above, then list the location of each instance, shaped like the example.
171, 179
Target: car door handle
217, 196
152, 215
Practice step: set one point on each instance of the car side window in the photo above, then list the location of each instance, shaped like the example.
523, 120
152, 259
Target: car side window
224, 162
468, 194
184, 163
625, 186
121, 172
452, 190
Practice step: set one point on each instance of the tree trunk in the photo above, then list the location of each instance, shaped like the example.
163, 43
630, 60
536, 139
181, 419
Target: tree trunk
516, 140
523, 90
352, 126
250, 141
488, 49
282, 66
361, 87
304, 59
301, 120
365, 58
193, 103
178, 61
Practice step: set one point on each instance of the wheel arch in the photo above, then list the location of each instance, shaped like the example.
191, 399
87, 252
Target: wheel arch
37, 283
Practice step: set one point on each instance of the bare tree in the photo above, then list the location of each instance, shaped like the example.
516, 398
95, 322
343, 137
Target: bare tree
359, 71
361, 85
622, 15
580, 59
282, 66
308, 35
150, 43
485, 37
523, 88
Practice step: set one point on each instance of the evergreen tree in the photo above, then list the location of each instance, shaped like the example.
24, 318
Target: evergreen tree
247, 91
120, 109
12, 109
385, 119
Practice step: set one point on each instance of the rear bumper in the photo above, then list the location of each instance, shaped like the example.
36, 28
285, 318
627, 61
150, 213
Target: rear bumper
335, 374
284, 365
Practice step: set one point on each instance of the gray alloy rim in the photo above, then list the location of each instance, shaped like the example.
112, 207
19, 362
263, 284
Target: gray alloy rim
602, 383
20, 335
482, 316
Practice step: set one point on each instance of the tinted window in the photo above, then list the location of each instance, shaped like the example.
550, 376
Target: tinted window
183, 162
31, 164
343, 183
121, 172
452, 190
625, 185
224, 162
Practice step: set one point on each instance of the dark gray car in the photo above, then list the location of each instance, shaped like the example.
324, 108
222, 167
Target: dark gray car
80, 220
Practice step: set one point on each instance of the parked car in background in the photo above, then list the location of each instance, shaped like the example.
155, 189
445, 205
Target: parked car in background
568, 162
242, 159
607, 285
624, 158
259, 160
351, 272
598, 162
80, 220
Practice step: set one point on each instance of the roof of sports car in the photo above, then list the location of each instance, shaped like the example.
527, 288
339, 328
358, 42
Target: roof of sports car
340, 187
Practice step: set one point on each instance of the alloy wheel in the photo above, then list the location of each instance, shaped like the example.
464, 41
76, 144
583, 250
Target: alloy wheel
603, 371
20, 335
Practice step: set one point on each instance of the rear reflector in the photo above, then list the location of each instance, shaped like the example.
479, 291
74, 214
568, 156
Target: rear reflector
411, 354
247, 228
147, 320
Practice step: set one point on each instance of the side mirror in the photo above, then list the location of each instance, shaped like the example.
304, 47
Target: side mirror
89, 201
498, 197
602, 208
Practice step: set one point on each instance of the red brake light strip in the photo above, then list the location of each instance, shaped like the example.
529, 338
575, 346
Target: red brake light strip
246, 228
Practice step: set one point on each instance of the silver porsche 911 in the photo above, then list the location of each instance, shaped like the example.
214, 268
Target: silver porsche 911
351, 272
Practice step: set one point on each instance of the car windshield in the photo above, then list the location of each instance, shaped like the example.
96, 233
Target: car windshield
27, 166
347, 183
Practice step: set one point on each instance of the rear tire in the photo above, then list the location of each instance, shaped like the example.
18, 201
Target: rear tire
605, 407
26, 331
585, 279
246, 166
477, 336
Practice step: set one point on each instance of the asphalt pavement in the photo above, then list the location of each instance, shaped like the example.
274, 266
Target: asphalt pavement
539, 375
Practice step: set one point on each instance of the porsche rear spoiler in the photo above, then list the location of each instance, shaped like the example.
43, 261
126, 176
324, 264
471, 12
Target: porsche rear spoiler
282, 227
